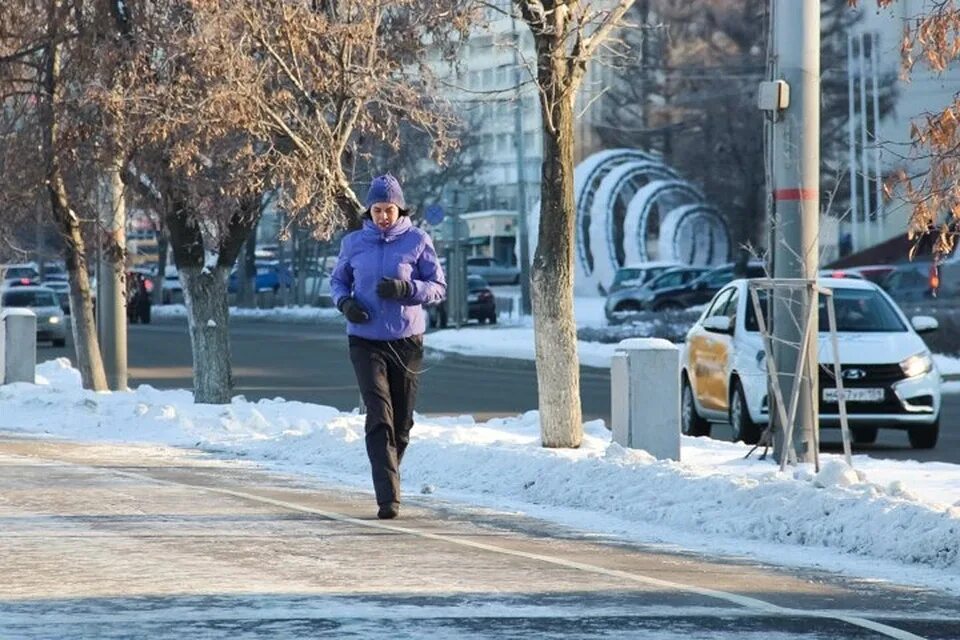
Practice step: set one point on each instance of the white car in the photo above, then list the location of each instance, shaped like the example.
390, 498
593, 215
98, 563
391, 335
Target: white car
888, 373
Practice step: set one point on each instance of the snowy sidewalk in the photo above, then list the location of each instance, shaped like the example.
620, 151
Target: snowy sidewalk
888, 519
110, 541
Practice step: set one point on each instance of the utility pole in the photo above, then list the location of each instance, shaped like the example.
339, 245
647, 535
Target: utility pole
111, 280
522, 232
796, 190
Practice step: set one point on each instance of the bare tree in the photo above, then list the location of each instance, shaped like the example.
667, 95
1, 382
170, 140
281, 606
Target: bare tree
48, 51
566, 36
231, 101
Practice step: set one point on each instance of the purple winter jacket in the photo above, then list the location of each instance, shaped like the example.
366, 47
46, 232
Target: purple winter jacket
402, 251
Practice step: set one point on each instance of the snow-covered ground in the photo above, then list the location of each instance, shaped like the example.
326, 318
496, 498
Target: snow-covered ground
277, 314
887, 519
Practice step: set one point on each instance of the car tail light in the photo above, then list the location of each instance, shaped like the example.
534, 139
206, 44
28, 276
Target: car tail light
148, 285
934, 278
838, 274
25, 281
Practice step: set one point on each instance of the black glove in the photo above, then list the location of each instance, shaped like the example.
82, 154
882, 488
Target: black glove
391, 288
354, 312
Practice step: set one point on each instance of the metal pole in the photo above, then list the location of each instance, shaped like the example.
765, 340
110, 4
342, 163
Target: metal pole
878, 173
797, 195
852, 142
111, 282
522, 231
864, 159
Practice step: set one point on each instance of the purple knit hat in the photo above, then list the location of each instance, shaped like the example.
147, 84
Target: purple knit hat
385, 189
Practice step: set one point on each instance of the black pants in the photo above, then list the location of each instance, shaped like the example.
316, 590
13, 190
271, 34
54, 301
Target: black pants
388, 375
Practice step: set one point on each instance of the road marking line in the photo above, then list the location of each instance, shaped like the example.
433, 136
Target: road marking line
743, 601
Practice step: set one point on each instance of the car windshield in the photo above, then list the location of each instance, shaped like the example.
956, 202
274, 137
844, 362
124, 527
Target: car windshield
29, 299
858, 311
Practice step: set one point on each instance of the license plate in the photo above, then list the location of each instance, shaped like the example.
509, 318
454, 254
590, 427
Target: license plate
854, 395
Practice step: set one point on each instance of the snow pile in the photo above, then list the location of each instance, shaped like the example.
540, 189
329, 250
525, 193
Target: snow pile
299, 315
902, 512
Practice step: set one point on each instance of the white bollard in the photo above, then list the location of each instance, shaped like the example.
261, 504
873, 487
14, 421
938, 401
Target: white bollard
18, 346
645, 381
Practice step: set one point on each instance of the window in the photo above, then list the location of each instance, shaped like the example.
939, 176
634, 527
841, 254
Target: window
29, 299
718, 308
858, 311
717, 279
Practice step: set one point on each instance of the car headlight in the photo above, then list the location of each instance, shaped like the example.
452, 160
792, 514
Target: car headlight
54, 320
917, 365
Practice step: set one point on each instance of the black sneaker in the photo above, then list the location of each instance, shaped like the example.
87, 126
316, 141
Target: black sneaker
389, 511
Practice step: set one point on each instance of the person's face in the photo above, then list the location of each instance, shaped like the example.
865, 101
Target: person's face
384, 214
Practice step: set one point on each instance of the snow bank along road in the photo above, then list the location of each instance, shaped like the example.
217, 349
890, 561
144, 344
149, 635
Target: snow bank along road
310, 363
111, 541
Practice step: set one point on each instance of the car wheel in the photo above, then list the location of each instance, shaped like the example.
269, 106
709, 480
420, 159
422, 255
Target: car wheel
744, 428
62, 342
691, 423
517, 279
864, 435
924, 437
145, 315
492, 318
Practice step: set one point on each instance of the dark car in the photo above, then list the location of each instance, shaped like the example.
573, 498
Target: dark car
139, 294
625, 300
912, 282
701, 290
481, 304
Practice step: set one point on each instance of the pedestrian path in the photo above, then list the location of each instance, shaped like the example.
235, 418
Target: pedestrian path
102, 541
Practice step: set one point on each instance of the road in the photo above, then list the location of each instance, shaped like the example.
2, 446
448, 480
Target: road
106, 542
310, 363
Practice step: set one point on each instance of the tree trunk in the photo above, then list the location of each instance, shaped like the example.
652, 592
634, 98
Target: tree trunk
558, 365
205, 295
85, 342
161, 265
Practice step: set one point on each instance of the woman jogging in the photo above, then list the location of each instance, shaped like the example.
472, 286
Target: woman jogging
385, 272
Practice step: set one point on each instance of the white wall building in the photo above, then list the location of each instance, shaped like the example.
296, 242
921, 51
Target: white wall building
924, 92
484, 93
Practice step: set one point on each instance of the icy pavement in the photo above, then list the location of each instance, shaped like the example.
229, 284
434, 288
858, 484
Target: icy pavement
886, 519
120, 541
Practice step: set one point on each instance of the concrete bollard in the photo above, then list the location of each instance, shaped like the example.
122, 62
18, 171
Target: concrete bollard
18, 346
645, 381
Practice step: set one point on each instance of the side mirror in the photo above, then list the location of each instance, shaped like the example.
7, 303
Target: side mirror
924, 324
719, 324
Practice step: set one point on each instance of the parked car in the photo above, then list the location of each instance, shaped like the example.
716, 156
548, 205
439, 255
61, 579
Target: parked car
492, 271
913, 282
639, 274
271, 276
888, 373
631, 299
19, 274
481, 305
171, 291
700, 290
51, 325
139, 296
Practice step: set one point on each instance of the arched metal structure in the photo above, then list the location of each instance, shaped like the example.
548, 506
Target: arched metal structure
624, 198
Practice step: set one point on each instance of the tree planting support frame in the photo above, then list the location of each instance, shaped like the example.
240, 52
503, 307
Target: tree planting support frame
810, 329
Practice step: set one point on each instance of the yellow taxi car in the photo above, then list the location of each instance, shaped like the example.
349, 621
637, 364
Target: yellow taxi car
889, 376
